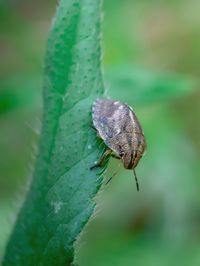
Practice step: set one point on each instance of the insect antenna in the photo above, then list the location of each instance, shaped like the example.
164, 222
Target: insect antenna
137, 184
109, 179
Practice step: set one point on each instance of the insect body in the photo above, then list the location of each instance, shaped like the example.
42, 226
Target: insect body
118, 126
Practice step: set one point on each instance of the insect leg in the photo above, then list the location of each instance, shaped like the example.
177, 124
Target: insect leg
102, 159
115, 156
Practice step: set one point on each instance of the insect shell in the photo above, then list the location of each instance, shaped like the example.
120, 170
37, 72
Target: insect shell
119, 128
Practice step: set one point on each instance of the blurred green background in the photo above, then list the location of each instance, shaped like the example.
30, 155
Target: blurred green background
144, 41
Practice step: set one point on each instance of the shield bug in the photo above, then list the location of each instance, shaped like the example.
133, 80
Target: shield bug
119, 128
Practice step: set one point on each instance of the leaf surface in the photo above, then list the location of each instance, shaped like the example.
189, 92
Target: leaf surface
60, 200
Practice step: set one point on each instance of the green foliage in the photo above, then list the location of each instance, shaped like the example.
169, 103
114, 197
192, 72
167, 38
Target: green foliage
153, 227
60, 200
124, 80
19, 92
141, 87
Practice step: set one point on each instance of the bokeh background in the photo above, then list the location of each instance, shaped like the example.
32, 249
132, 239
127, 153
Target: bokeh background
151, 60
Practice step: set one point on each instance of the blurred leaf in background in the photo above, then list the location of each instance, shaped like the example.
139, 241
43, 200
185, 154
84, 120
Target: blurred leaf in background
23, 36
142, 87
145, 42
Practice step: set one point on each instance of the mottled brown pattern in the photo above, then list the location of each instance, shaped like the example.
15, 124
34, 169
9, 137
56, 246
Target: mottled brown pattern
119, 127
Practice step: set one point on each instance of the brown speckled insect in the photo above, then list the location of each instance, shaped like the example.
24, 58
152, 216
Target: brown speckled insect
118, 126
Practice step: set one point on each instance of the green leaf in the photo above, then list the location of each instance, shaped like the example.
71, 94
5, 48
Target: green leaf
60, 200
141, 87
